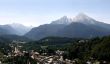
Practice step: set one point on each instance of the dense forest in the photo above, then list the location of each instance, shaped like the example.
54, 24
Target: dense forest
83, 49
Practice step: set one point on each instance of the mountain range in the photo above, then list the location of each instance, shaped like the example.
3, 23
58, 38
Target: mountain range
14, 29
21, 29
81, 26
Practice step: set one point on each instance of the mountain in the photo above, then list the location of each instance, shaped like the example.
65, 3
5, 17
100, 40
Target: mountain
48, 29
14, 29
84, 26
8, 34
6, 29
21, 29
81, 26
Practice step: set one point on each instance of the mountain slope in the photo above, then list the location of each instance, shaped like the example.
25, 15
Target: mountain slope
80, 30
6, 29
44, 31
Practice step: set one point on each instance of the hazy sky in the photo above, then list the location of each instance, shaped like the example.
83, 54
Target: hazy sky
36, 12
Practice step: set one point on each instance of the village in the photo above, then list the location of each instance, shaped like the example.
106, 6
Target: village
43, 58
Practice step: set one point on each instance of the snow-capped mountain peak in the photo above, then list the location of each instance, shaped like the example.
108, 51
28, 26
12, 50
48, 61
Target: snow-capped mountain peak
64, 17
83, 18
62, 20
80, 18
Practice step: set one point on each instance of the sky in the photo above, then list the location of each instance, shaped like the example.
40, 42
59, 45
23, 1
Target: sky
37, 12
